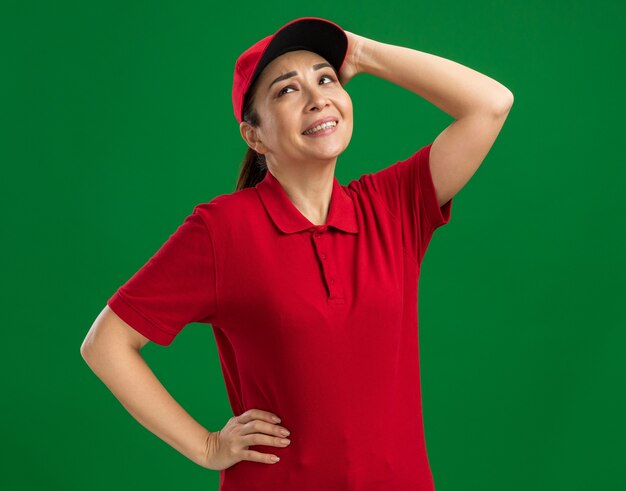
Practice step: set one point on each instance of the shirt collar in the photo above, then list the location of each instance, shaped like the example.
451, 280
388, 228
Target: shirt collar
288, 218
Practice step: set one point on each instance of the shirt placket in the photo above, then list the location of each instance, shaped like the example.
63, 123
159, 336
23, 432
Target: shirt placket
321, 244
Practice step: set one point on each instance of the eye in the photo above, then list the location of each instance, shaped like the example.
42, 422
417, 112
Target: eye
282, 91
328, 77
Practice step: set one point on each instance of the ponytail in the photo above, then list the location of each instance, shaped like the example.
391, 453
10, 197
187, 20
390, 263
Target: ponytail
253, 166
253, 170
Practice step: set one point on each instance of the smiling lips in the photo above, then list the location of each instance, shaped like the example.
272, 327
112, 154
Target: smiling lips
325, 131
320, 121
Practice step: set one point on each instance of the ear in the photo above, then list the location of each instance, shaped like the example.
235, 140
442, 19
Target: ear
251, 137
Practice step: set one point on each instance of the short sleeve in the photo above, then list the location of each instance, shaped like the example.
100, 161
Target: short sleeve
408, 192
174, 288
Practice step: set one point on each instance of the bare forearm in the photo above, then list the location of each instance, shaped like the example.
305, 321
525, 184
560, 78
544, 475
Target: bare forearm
452, 87
127, 375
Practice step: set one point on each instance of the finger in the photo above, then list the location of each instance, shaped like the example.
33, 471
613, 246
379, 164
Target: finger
258, 426
252, 414
254, 456
261, 439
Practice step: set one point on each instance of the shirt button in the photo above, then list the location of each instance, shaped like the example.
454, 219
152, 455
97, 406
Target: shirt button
323, 256
332, 281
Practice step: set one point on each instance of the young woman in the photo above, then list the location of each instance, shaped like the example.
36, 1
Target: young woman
310, 286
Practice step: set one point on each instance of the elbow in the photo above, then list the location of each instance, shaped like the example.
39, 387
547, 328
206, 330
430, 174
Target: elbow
505, 102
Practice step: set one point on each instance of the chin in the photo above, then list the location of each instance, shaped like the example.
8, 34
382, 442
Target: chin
330, 154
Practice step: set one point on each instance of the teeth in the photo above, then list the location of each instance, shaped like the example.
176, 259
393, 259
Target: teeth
323, 126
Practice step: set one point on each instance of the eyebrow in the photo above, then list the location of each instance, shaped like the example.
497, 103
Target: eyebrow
293, 74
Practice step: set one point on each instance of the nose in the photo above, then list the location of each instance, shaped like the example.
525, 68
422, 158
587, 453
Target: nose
318, 99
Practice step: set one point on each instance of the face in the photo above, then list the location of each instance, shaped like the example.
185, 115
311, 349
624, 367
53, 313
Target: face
289, 106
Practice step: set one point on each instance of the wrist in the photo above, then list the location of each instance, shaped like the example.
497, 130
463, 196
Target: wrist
366, 55
205, 448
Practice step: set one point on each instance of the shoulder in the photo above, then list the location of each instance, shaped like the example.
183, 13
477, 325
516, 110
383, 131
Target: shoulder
227, 210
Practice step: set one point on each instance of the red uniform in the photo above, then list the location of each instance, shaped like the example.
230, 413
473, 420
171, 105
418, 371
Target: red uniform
316, 323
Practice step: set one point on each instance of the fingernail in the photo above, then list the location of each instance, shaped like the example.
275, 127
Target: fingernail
276, 420
275, 459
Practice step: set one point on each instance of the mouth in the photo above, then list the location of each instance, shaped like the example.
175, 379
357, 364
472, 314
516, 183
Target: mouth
322, 129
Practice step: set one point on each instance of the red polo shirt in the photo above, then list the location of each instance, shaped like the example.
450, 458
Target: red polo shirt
317, 324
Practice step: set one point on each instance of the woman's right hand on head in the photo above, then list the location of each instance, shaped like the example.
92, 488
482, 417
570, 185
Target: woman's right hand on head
229, 445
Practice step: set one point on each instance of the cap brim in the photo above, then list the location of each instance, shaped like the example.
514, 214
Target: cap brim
318, 35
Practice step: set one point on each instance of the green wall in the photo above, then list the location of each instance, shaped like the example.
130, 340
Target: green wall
117, 120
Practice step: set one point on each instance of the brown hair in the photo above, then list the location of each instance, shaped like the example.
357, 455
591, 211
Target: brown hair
253, 165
